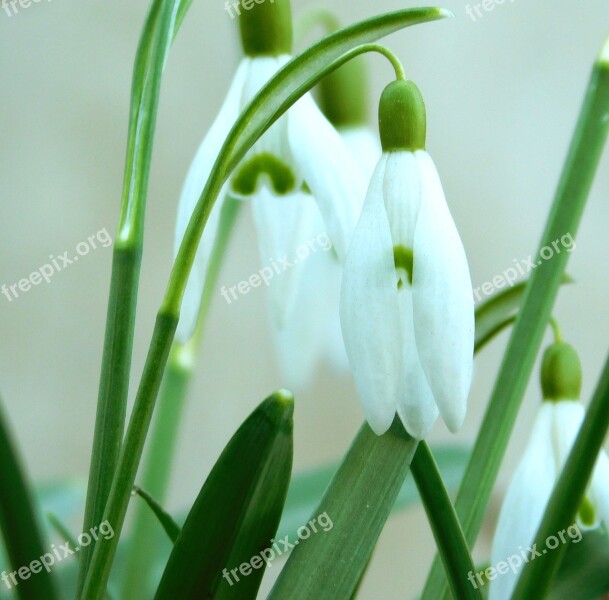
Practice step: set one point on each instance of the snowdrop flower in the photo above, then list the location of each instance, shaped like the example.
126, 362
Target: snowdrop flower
301, 157
406, 309
554, 432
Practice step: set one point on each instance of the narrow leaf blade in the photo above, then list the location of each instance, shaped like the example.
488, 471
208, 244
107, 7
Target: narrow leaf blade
237, 511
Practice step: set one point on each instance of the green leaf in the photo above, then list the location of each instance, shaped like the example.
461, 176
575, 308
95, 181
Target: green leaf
358, 502
19, 522
584, 570
159, 30
444, 523
306, 489
518, 362
171, 528
62, 529
499, 311
237, 511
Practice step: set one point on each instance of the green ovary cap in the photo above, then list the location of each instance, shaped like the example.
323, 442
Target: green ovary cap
266, 26
402, 120
343, 94
587, 513
561, 373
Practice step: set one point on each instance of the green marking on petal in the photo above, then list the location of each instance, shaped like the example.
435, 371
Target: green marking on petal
587, 513
245, 180
403, 259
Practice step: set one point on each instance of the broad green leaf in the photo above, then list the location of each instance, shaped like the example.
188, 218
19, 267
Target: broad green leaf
237, 511
20, 523
584, 571
329, 564
306, 489
166, 521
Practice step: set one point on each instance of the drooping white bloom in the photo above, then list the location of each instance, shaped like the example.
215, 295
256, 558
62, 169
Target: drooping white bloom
406, 304
554, 433
301, 156
313, 337
555, 430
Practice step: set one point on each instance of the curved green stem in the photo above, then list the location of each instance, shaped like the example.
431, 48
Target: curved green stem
313, 18
556, 330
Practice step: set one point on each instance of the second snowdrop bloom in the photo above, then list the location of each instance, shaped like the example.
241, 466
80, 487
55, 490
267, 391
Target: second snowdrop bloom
556, 427
299, 162
406, 309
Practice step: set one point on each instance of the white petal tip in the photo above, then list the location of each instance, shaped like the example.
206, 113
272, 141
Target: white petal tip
378, 424
417, 424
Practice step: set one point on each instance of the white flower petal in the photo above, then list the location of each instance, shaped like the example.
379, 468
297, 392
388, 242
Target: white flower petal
443, 301
600, 487
525, 502
334, 348
282, 224
196, 178
328, 169
402, 194
369, 310
300, 344
275, 140
416, 405
568, 418
365, 147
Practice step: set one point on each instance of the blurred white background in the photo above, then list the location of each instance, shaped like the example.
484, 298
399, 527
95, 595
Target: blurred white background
502, 95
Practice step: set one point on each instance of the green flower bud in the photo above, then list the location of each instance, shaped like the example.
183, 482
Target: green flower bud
561, 373
343, 94
266, 28
402, 119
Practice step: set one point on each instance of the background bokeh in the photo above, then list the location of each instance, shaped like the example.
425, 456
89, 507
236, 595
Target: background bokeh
502, 94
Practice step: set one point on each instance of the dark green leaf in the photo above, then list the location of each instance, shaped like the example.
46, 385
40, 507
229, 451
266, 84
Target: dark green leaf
237, 511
